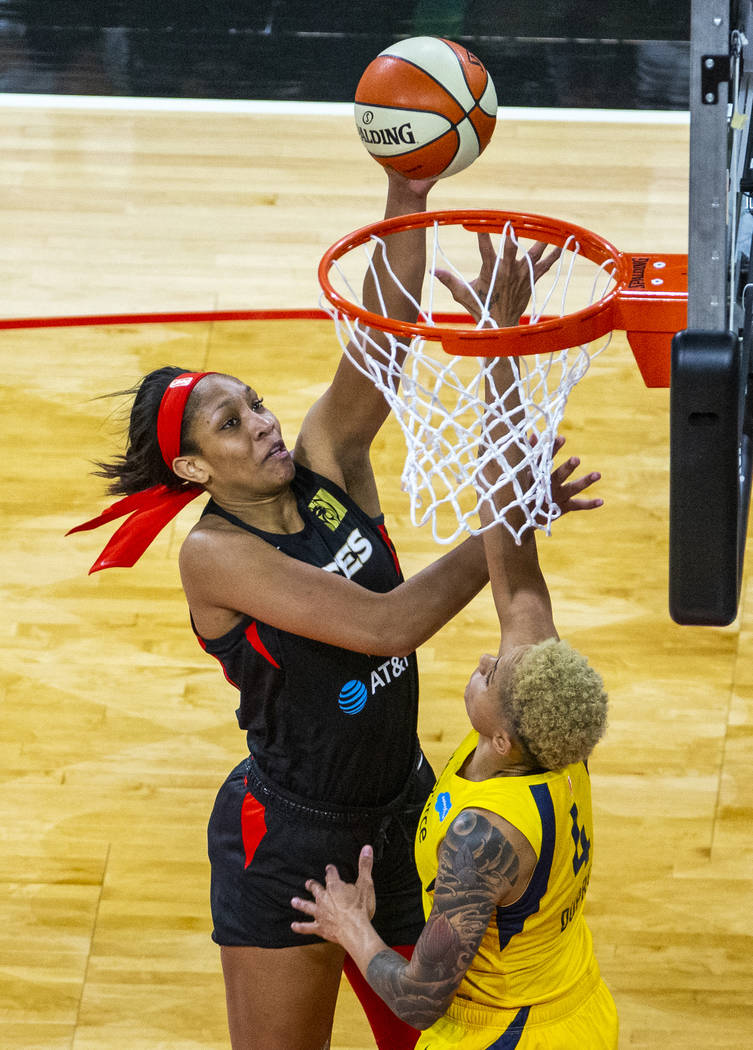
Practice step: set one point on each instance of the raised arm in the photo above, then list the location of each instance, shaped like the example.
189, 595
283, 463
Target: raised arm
338, 430
483, 862
521, 595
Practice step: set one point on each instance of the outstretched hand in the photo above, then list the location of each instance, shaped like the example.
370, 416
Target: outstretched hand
504, 284
565, 491
338, 908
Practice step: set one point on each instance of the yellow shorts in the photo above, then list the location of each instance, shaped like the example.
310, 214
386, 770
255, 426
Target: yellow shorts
584, 1020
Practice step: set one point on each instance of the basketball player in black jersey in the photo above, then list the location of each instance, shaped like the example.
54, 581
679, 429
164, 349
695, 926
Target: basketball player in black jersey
294, 586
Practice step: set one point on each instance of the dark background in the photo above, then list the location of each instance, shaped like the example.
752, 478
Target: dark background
621, 54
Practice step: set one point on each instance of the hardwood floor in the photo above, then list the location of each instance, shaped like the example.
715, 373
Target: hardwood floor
117, 729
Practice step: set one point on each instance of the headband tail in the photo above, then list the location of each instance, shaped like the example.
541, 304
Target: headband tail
126, 505
150, 511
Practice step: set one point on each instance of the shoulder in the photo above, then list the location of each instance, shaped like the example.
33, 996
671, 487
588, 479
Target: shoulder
477, 829
217, 560
483, 850
215, 546
210, 534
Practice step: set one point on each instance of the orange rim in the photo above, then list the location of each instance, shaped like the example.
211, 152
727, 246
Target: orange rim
660, 304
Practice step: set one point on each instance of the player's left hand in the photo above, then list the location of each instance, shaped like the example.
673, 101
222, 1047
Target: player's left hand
565, 491
504, 283
338, 907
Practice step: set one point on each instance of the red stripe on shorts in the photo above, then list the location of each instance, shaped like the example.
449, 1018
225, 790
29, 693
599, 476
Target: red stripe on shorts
253, 825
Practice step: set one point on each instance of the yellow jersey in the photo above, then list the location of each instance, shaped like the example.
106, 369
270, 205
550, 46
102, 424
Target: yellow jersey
539, 948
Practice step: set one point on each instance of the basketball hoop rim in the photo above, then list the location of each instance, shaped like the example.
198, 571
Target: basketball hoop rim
549, 334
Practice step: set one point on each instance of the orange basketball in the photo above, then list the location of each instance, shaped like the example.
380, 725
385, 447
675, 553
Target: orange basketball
425, 106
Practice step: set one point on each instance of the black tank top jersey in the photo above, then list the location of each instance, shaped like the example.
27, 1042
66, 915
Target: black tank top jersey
325, 723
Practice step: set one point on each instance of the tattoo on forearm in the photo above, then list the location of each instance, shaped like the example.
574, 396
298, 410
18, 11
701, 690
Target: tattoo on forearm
477, 865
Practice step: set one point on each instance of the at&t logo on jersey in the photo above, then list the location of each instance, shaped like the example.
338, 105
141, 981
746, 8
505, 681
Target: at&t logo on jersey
353, 697
355, 694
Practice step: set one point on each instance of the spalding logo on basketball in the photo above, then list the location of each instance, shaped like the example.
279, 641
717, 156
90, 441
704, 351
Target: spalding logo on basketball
425, 106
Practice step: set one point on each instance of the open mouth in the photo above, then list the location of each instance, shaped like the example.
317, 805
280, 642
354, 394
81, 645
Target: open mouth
278, 449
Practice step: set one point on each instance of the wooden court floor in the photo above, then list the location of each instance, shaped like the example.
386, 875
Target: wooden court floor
116, 730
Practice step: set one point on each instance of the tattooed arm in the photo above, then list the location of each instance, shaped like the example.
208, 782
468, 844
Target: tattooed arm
483, 862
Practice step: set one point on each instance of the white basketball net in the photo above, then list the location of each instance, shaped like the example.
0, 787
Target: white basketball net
440, 404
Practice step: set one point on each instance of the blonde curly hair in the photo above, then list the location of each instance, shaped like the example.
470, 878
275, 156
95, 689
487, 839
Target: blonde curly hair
555, 703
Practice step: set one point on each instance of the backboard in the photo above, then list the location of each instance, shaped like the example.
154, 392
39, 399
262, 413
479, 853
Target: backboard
711, 391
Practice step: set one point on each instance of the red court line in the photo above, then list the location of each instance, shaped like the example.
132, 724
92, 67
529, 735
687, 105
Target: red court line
182, 317
163, 318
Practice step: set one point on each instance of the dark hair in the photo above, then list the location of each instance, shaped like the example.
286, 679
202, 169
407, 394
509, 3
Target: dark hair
143, 465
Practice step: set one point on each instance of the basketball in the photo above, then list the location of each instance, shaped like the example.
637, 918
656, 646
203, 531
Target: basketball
426, 107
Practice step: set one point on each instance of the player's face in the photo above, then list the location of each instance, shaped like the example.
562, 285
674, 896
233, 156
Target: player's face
240, 440
482, 696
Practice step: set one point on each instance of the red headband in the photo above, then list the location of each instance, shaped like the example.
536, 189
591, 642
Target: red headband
170, 415
153, 508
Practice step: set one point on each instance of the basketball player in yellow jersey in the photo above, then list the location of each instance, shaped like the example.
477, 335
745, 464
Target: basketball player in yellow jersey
504, 847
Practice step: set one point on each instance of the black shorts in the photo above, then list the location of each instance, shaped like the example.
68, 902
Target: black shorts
264, 843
